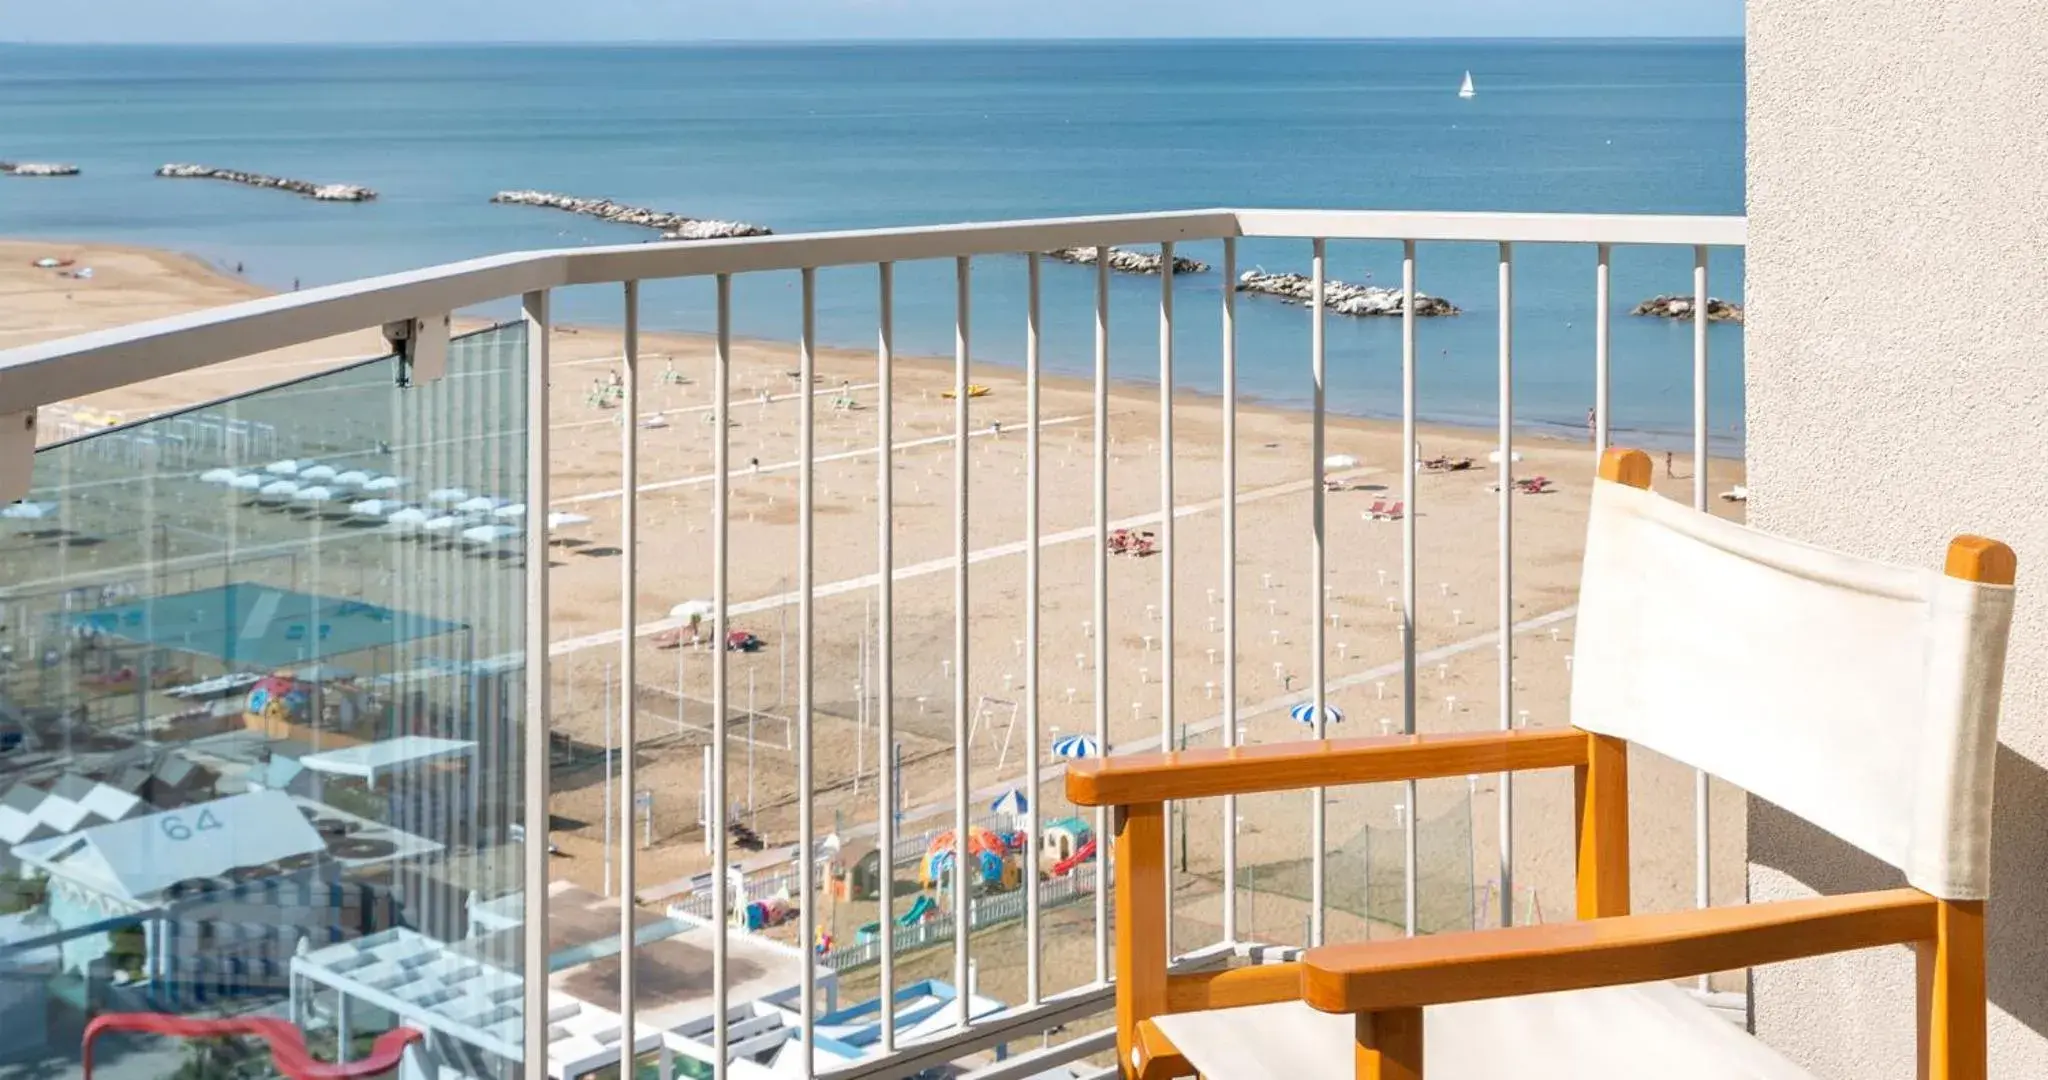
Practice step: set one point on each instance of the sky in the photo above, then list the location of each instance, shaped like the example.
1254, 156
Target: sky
395, 21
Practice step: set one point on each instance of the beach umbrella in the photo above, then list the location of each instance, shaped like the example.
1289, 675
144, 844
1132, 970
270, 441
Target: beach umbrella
375, 508
1076, 746
563, 519
444, 496
1011, 802
1340, 461
489, 534
218, 476
444, 523
1494, 456
247, 482
29, 511
317, 472
383, 483
510, 510
481, 504
354, 478
314, 494
408, 519
279, 489
1305, 714
287, 467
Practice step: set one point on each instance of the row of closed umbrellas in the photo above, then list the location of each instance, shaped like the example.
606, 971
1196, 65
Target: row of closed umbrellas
453, 511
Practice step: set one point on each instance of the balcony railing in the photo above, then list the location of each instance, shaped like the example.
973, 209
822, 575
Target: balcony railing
474, 746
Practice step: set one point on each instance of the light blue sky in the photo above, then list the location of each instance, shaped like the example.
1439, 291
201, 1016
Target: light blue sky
697, 20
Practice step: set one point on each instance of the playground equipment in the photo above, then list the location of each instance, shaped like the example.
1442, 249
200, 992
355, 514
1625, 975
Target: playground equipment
1062, 839
920, 909
986, 853
855, 872
287, 1043
1081, 854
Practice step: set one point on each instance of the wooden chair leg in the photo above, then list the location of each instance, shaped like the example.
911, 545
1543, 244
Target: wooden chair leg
1389, 1045
1140, 867
1953, 1040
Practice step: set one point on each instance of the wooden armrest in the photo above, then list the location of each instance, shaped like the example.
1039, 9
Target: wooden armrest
1445, 968
1133, 779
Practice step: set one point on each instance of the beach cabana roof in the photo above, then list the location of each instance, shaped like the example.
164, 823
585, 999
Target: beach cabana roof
372, 761
142, 856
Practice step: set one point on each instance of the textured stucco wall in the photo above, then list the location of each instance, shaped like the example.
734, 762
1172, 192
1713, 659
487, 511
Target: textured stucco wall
1897, 359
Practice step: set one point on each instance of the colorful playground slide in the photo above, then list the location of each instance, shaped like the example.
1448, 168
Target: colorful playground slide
1081, 854
287, 1044
918, 912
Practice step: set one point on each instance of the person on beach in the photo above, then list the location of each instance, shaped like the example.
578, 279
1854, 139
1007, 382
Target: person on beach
1668, 470
1592, 426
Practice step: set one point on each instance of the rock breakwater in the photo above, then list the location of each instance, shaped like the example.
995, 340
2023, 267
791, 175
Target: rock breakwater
672, 226
1341, 297
36, 168
311, 190
1680, 307
1126, 261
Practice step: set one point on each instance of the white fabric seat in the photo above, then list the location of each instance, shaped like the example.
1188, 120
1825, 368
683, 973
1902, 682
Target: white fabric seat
1612, 1033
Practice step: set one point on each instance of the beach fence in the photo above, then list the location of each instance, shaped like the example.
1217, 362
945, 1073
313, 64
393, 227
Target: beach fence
1366, 875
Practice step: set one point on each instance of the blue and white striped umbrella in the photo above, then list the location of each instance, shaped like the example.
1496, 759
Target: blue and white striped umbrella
1011, 802
1305, 714
1076, 746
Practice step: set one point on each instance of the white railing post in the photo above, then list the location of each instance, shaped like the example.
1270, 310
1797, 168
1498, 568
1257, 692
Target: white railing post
1318, 571
721, 562
629, 732
885, 641
1507, 575
963, 780
1411, 901
1702, 784
1101, 598
534, 877
1033, 754
1229, 570
1602, 338
1166, 553
807, 856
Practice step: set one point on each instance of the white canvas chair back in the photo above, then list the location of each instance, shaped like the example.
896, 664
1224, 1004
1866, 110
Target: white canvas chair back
1859, 695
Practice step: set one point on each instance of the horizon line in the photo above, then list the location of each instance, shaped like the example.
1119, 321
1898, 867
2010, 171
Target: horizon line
1548, 39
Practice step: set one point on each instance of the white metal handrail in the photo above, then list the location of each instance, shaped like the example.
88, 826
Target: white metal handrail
50, 372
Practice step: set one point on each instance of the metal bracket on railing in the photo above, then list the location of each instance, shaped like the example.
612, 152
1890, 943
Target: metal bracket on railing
17, 455
422, 348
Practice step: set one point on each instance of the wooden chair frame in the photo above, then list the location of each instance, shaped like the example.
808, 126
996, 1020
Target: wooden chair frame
1387, 984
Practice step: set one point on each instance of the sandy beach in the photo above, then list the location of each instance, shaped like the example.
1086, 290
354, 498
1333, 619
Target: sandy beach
1458, 684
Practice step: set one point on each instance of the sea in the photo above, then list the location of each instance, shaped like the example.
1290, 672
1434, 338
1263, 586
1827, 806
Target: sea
844, 136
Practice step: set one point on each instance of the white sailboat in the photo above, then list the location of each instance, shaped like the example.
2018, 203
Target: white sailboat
1465, 89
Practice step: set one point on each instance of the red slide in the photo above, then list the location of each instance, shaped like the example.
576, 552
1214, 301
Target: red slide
1081, 854
287, 1043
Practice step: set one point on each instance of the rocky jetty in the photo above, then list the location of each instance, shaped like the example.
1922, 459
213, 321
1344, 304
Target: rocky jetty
1340, 297
672, 226
36, 168
321, 192
1680, 307
1126, 261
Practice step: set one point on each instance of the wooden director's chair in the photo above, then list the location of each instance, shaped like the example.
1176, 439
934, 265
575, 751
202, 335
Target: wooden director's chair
1860, 696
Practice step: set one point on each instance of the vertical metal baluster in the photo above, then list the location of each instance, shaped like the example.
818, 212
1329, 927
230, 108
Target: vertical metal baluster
1032, 782
534, 945
721, 544
1410, 901
1507, 577
1702, 792
629, 566
807, 860
1230, 931
1601, 355
1318, 822
885, 651
1166, 551
963, 781
1102, 601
